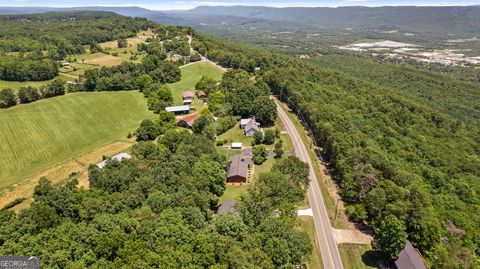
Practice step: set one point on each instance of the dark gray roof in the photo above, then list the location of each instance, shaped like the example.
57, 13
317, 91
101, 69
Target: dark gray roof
227, 206
409, 258
239, 165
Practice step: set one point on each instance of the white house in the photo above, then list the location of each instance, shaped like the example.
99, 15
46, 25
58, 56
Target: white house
117, 157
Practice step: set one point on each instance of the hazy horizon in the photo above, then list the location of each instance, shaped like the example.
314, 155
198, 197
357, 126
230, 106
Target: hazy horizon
187, 4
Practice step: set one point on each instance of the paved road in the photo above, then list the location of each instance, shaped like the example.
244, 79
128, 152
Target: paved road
324, 232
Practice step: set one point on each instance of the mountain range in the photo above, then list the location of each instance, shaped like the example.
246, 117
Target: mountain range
452, 21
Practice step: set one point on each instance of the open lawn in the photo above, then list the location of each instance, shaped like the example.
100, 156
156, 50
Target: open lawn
307, 225
45, 133
357, 256
191, 74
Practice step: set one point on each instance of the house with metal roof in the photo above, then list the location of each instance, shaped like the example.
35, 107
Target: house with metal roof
188, 97
239, 169
178, 109
251, 127
409, 258
117, 157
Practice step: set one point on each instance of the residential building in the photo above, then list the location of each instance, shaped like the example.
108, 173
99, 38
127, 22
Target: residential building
117, 157
201, 95
252, 127
239, 169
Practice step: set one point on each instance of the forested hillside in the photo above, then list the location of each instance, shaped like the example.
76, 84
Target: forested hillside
31, 46
393, 156
446, 93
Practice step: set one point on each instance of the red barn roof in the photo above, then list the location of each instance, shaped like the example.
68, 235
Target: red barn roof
187, 121
188, 94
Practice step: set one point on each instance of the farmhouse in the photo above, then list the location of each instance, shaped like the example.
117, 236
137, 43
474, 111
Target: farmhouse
251, 127
239, 168
187, 121
188, 97
178, 109
117, 157
65, 63
409, 258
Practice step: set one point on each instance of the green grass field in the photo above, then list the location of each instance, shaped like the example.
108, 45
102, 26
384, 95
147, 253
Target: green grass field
357, 256
39, 135
191, 74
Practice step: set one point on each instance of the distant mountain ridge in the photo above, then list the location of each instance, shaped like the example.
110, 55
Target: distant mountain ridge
454, 21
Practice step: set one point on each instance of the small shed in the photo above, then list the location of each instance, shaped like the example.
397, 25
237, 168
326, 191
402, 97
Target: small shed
227, 207
409, 258
201, 95
178, 109
187, 121
117, 157
188, 97
236, 145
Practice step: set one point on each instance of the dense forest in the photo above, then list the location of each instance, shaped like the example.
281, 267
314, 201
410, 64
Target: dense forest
157, 211
446, 93
394, 157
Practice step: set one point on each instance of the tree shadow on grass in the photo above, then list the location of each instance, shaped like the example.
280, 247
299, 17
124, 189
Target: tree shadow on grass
370, 258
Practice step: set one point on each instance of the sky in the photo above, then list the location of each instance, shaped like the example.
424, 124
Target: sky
188, 4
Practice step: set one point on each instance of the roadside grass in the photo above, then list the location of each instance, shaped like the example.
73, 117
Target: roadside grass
338, 219
191, 74
356, 256
306, 224
45, 133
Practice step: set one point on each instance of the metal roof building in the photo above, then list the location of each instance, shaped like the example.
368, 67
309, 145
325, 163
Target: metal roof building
178, 109
409, 258
117, 157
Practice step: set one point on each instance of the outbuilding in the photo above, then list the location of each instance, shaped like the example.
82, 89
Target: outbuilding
117, 157
178, 109
187, 121
236, 145
409, 258
188, 97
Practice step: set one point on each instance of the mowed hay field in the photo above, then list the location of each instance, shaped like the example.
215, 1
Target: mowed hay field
42, 134
191, 74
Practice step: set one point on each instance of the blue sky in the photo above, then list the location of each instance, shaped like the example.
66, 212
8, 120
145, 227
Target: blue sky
187, 4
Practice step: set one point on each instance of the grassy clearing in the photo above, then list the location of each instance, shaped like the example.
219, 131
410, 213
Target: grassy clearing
233, 192
58, 173
307, 225
45, 133
236, 135
356, 256
191, 74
